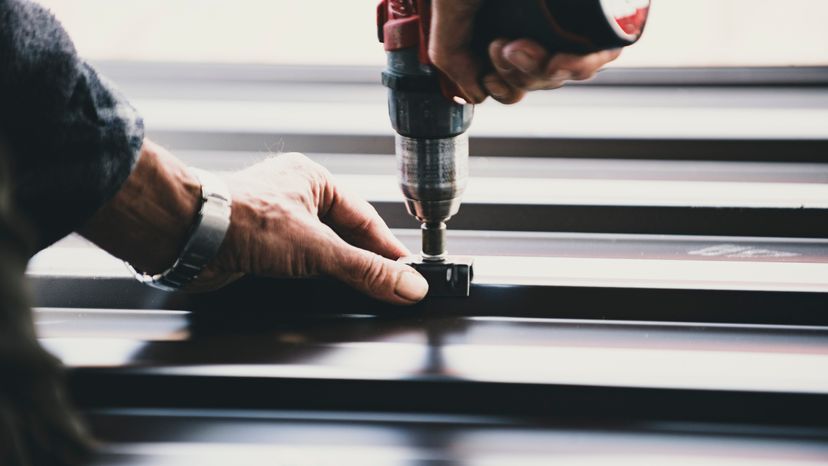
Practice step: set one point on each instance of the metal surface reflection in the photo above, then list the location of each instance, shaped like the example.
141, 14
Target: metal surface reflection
493, 349
437, 363
184, 437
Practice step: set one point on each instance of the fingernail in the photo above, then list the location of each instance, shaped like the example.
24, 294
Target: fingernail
497, 89
411, 286
522, 61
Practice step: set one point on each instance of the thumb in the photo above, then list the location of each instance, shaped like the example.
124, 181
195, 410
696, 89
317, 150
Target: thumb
376, 276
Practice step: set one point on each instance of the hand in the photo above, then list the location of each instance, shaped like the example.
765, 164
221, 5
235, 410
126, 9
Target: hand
519, 65
290, 219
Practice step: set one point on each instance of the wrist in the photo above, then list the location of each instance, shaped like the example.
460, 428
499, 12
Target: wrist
204, 239
148, 221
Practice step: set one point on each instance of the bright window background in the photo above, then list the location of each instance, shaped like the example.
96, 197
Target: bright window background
680, 32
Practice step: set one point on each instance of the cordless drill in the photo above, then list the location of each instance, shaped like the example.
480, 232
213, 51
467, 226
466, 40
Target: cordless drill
431, 119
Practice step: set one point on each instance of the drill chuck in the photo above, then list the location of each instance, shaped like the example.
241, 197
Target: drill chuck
433, 174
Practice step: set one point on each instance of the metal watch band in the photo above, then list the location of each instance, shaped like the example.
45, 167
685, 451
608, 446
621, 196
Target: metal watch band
205, 239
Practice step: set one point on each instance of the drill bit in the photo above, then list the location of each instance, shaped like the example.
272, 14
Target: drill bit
434, 241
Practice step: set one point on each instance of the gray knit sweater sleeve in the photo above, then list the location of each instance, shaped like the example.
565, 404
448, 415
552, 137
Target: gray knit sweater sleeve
71, 136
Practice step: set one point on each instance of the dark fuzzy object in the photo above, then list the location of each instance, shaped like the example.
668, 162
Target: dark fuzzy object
73, 137
37, 424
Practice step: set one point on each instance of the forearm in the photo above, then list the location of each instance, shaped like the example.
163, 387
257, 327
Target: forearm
148, 220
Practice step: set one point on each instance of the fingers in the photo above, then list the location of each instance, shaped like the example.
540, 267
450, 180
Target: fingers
505, 83
524, 65
580, 67
530, 64
374, 275
362, 251
525, 56
519, 66
356, 221
449, 46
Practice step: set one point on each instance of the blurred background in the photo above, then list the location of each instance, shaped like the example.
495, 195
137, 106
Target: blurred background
680, 32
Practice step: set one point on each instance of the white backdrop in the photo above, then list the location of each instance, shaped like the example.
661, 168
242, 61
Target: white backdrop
681, 32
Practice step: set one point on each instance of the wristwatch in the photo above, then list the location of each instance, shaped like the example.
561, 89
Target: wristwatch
205, 239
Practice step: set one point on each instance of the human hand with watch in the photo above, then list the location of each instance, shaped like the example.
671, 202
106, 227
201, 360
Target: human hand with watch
288, 218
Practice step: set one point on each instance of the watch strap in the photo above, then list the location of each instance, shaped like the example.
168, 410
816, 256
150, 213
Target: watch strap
206, 236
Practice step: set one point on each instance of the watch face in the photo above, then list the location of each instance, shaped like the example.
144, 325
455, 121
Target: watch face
627, 17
